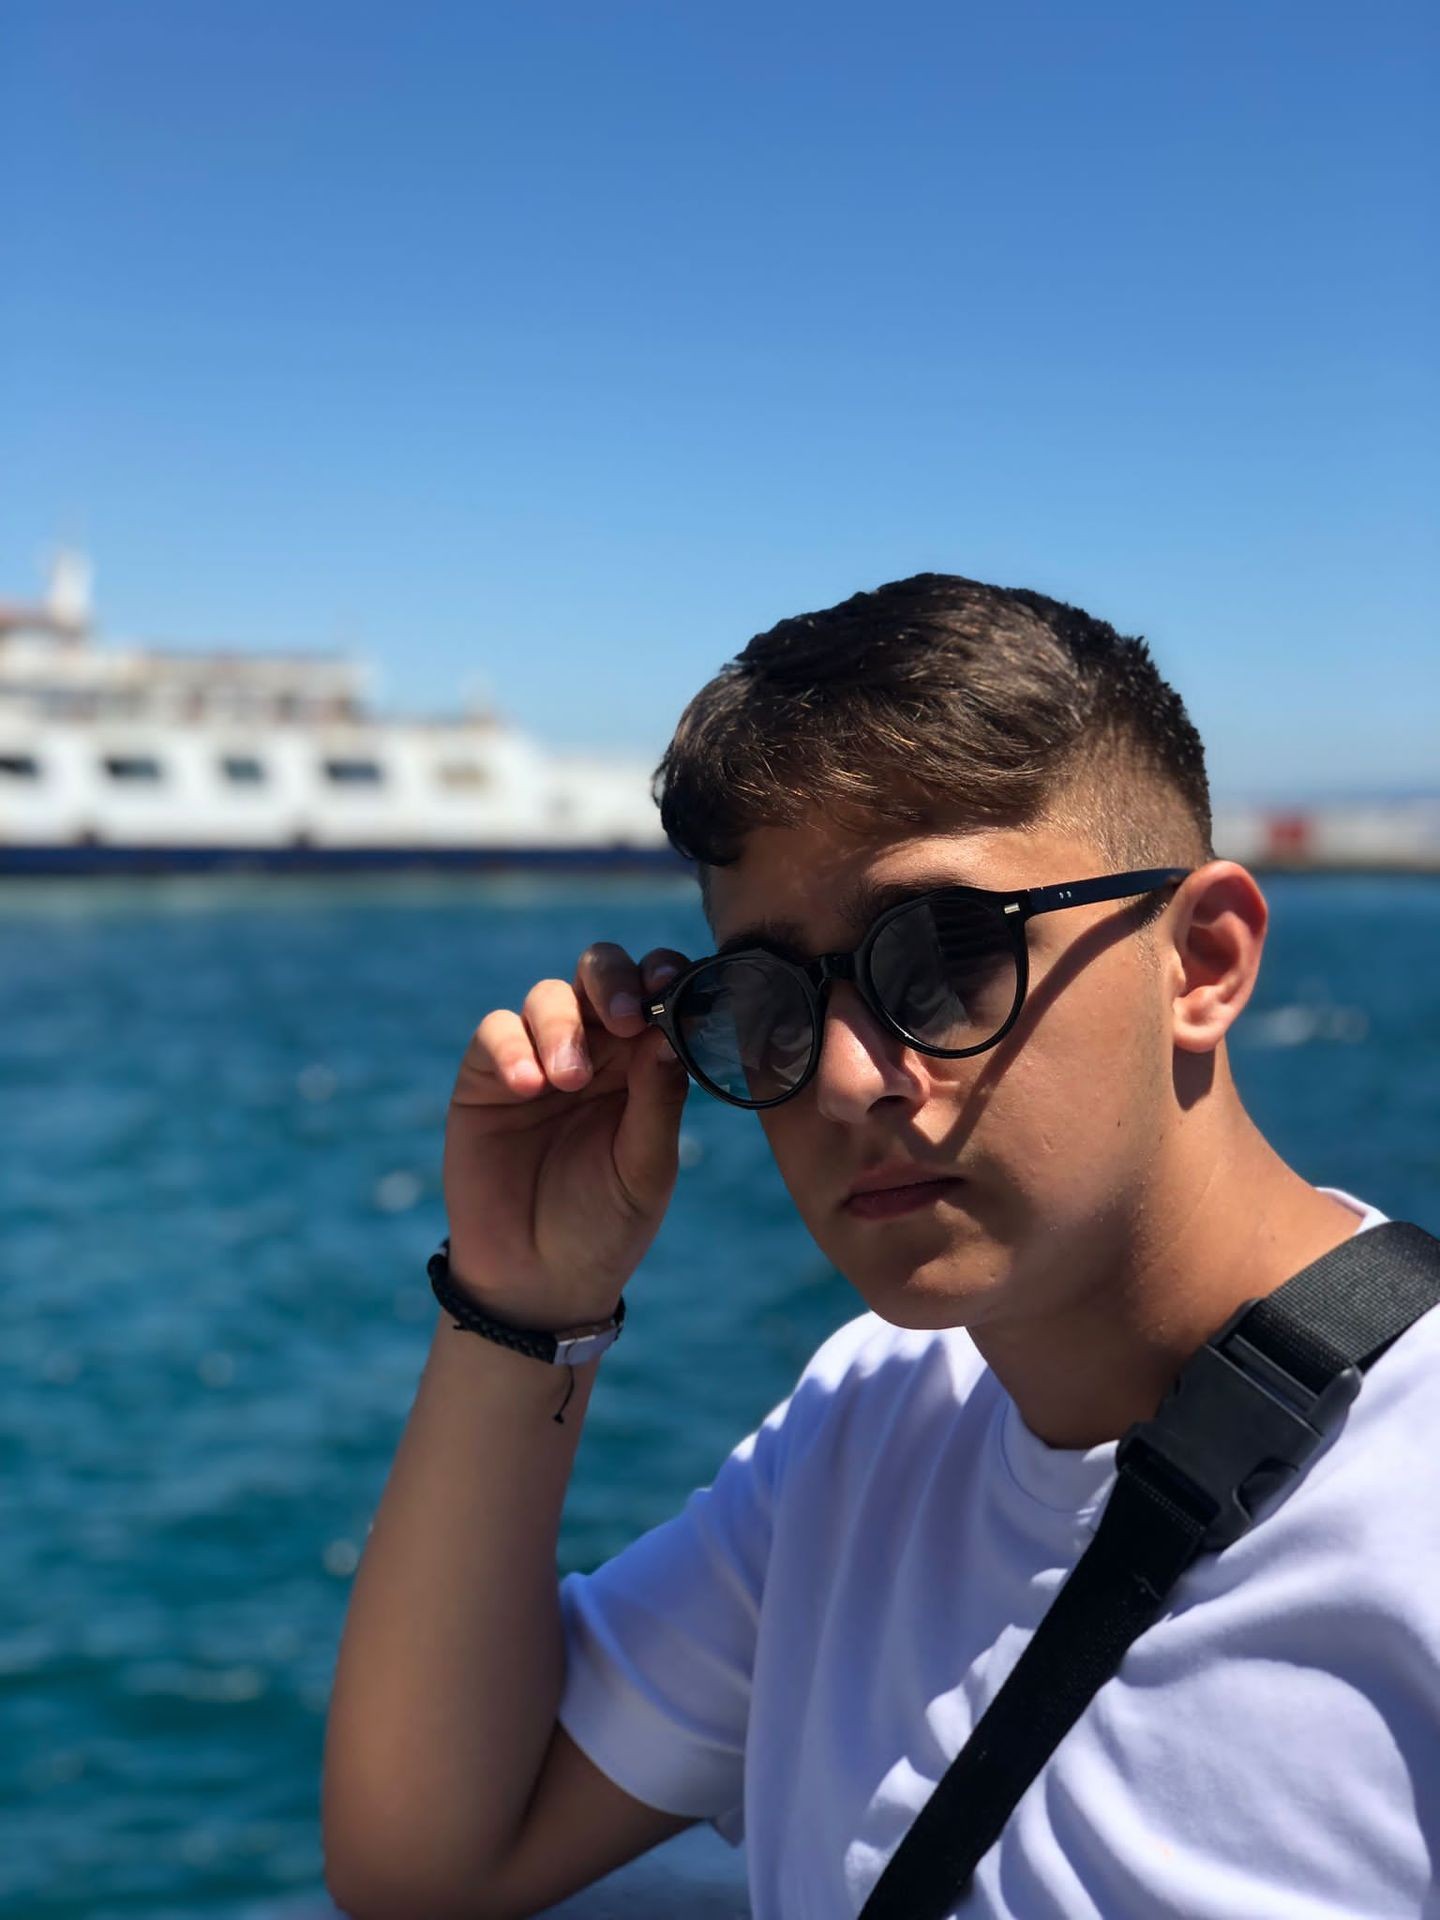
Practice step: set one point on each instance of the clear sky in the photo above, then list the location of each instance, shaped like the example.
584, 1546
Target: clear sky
561, 347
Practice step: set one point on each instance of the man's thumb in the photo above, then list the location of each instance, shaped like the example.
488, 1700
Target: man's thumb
647, 1141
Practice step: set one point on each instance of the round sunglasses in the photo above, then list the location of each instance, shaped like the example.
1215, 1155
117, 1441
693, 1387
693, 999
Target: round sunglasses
946, 972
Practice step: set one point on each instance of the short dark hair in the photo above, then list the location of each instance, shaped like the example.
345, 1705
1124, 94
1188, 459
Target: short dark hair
940, 701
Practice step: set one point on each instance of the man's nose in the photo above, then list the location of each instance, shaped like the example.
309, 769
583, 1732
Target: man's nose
861, 1061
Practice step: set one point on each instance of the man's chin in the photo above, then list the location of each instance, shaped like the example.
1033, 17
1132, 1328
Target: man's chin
955, 1290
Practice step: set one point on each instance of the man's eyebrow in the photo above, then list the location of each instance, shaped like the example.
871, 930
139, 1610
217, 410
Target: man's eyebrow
861, 905
768, 933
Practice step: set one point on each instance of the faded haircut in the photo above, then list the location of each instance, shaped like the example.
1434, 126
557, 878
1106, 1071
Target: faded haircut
940, 703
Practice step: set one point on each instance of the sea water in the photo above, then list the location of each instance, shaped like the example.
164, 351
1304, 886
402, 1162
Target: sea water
223, 1108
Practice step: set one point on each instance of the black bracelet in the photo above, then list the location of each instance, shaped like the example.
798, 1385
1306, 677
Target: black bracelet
570, 1348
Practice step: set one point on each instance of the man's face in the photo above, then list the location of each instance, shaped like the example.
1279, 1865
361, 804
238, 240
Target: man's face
1054, 1136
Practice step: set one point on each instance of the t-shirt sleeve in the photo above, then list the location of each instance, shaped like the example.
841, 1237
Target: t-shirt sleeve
660, 1640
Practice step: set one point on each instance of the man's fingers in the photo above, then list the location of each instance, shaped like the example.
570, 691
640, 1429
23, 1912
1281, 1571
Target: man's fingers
552, 1013
546, 1043
660, 966
502, 1050
608, 980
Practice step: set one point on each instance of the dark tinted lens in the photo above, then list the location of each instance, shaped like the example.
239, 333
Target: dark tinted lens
945, 971
746, 1024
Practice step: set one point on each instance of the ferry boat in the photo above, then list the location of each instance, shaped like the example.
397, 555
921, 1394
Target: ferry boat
126, 758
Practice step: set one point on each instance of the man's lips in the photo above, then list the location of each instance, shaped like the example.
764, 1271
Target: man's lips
895, 1189
897, 1174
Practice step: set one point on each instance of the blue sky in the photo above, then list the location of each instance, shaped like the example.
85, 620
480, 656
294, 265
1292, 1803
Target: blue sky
563, 347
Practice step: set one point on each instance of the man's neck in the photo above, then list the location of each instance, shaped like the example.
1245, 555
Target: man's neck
1083, 1376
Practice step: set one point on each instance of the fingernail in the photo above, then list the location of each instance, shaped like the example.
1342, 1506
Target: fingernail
623, 1006
662, 976
569, 1059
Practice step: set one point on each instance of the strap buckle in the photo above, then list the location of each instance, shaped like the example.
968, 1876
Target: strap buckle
573, 1350
1233, 1428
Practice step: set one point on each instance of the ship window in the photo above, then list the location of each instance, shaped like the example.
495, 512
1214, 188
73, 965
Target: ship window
243, 769
463, 774
132, 766
354, 773
19, 766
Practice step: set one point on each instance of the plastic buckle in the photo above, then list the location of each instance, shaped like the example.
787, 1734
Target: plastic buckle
1233, 1428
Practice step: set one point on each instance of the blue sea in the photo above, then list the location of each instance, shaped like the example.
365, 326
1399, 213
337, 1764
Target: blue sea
223, 1113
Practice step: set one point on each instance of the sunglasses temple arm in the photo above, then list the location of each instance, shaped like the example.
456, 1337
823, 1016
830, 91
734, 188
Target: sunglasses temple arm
1115, 886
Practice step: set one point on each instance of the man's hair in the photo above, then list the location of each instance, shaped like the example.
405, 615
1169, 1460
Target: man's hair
939, 703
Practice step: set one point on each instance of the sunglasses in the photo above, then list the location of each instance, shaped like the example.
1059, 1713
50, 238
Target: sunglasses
946, 972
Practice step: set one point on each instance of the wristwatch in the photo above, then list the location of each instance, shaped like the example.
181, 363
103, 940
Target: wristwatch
571, 1347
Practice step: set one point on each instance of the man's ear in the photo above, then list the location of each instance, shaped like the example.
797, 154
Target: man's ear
1217, 928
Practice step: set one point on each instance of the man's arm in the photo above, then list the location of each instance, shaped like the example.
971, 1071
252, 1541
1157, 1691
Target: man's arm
449, 1788
561, 1154
580, 1827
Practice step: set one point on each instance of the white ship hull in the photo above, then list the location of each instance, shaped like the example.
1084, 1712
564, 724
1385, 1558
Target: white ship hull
137, 760
393, 795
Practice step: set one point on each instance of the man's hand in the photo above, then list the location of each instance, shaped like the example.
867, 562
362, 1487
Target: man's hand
562, 1143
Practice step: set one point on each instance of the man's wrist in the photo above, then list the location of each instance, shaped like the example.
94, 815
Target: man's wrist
572, 1344
507, 1313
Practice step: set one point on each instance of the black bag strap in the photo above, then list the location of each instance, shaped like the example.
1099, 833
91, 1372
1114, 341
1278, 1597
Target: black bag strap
1247, 1412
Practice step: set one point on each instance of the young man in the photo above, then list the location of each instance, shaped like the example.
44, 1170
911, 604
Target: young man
1009, 1120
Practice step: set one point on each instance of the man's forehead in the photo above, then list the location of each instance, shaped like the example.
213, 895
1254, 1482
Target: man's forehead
795, 887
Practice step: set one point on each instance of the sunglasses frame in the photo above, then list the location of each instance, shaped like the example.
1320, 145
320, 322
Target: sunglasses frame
1013, 911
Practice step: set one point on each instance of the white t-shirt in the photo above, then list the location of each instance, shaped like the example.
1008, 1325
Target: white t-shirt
799, 1654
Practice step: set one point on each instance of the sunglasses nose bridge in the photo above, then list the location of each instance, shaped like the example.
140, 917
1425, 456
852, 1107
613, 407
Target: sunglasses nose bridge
830, 967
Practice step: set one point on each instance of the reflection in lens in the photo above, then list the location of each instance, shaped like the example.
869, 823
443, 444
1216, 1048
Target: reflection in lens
746, 1024
945, 971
